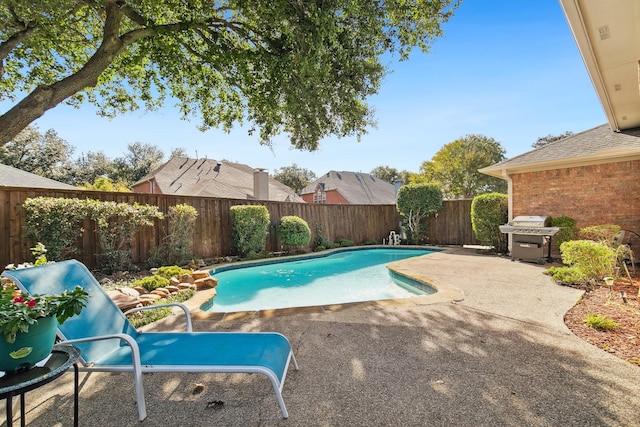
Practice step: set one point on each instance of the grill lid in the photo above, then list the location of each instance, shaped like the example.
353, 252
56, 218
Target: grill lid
531, 225
531, 221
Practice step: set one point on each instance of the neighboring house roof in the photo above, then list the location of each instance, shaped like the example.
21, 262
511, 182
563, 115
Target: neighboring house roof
608, 36
356, 187
213, 178
597, 145
13, 177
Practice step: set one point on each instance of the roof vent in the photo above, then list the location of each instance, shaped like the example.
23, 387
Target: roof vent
604, 32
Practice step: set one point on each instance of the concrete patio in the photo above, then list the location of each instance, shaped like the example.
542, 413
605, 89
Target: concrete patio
494, 352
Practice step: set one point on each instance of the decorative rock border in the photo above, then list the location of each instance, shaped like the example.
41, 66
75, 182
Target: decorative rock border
127, 298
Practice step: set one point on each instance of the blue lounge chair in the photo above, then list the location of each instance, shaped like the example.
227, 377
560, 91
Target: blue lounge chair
109, 343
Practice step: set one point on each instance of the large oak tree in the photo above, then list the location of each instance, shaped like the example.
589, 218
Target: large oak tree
302, 67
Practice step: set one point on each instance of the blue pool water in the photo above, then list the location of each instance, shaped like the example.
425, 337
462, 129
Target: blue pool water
342, 277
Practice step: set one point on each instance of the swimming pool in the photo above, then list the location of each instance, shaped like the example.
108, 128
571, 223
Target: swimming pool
345, 276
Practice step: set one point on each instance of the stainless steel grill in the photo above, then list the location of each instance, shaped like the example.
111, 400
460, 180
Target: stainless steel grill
530, 235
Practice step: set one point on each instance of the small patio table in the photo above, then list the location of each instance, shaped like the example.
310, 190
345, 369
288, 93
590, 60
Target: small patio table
13, 384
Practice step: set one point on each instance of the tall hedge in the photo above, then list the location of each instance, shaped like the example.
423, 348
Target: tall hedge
250, 228
488, 212
56, 222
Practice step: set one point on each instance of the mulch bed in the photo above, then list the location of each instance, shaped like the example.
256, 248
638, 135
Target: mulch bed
624, 340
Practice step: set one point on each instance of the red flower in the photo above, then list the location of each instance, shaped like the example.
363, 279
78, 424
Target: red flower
31, 303
18, 299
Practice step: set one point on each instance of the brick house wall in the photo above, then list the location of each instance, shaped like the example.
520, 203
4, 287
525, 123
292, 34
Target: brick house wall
333, 198
607, 193
145, 187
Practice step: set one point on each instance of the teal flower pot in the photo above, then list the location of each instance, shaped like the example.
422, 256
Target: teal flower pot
29, 347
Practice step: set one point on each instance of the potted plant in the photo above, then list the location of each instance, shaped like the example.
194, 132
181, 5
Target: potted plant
28, 324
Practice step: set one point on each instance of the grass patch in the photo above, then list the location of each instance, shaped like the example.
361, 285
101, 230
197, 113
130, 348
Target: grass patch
600, 322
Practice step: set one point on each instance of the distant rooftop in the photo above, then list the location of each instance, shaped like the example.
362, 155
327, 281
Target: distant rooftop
13, 177
213, 178
356, 187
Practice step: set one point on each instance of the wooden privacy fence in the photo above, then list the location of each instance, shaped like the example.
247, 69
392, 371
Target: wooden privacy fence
212, 237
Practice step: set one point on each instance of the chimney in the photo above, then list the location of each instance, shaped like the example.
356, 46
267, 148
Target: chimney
261, 184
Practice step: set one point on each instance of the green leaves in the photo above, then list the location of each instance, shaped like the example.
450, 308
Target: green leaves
250, 227
455, 167
416, 202
304, 68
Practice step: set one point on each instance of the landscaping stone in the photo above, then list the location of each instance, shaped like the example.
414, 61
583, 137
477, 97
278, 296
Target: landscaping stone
129, 291
173, 289
187, 278
124, 301
206, 283
161, 291
200, 274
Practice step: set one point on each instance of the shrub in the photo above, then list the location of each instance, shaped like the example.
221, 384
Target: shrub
250, 227
609, 235
116, 225
591, 260
181, 225
56, 223
598, 321
152, 282
344, 242
293, 231
170, 271
566, 275
488, 212
177, 245
568, 230
416, 203
320, 242
604, 233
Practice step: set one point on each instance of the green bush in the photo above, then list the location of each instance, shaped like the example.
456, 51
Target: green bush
568, 230
589, 259
250, 227
181, 225
416, 203
152, 282
566, 275
170, 271
177, 245
293, 231
320, 242
116, 225
600, 322
603, 233
344, 242
488, 212
56, 223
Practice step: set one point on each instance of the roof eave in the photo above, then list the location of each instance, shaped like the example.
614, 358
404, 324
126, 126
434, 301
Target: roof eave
604, 156
574, 15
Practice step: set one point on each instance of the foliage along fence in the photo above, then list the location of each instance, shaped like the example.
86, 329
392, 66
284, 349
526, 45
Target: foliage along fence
212, 238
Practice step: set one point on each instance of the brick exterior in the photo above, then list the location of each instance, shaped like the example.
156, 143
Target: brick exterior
606, 193
145, 187
333, 198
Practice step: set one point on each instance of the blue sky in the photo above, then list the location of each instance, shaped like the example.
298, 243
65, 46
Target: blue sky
505, 69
